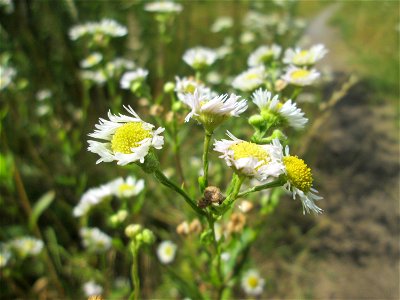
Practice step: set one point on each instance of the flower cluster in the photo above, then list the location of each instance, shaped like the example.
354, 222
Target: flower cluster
106, 27
95, 240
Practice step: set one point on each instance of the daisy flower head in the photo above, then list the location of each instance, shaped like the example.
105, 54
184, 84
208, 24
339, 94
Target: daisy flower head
285, 113
299, 57
221, 24
249, 80
263, 55
128, 138
92, 60
125, 188
212, 111
91, 288
163, 7
106, 27
300, 76
91, 198
200, 57
132, 77
299, 180
96, 77
166, 252
252, 283
27, 246
95, 240
188, 85
250, 159
7, 76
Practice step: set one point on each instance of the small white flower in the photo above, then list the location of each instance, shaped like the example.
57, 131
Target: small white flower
288, 112
26, 246
43, 95
131, 77
7, 75
163, 7
222, 23
299, 180
95, 240
223, 51
90, 198
213, 111
214, 77
5, 256
252, 283
300, 77
128, 138
189, 86
301, 57
264, 54
247, 37
166, 252
91, 288
97, 77
200, 57
225, 256
249, 80
92, 60
249, 159
126, 188
106, 27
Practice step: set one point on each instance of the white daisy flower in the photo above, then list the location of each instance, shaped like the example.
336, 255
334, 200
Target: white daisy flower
299, 180
200, 57
249, 159
288, 113
222, 23
26, 246
5, 256
92, 60
213, 111
43, 95
166, 252
188, 85
247, 37
105, 27
300, 77
91, 288
163, 7
264, 54
125, 188
7, 76
223, 51
252, 283
139, 75
95, 240
90, 198
112, 28
249, 80
97, 77
128, 138
301, 57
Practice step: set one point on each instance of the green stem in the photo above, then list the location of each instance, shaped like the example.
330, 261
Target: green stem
206, 147
296, 92
168, 183
230, 199
135, 274
211, 223
276, 183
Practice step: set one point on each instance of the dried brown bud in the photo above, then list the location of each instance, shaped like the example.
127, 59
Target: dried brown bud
236, 222
143, 102
212, 194
183, 228
203, 203
245, 206
169, 116
156, 110
195, 226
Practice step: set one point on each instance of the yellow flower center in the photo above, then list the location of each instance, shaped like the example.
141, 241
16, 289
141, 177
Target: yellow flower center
92, 59
247, 149
129, 136
252, 281
301, 73
168, 251
298, 173
251, 76
125, 187
302, 54
190, 88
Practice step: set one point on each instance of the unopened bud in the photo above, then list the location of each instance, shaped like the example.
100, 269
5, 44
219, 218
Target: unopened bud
280, 85
132, 230
245, 206
156, 110
148, 236
183, 228
195, 226
169, 87
236, 222
257, 121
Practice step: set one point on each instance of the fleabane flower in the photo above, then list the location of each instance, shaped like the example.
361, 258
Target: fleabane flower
128, 138
188, 85
249, 80
221, 24
263, 55
252, 283
95, 240
200, 57
125, 188
302, 58
91, 288
131, 77
250, 159
211, 112
92, 60
166, 252
300, 76
163, 7
299, 180
91, 198
26, 246
287, 113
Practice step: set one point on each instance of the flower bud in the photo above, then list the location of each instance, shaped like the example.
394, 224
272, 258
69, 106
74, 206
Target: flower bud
169, 87
132, 230
183, 228
195, 226
257, 121
212, 194
156, 110
148, 236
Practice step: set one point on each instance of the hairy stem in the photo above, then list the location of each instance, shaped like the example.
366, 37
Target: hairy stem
206, 147
276, 183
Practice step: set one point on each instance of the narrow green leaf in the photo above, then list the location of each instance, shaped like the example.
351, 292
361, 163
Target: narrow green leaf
40, 206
